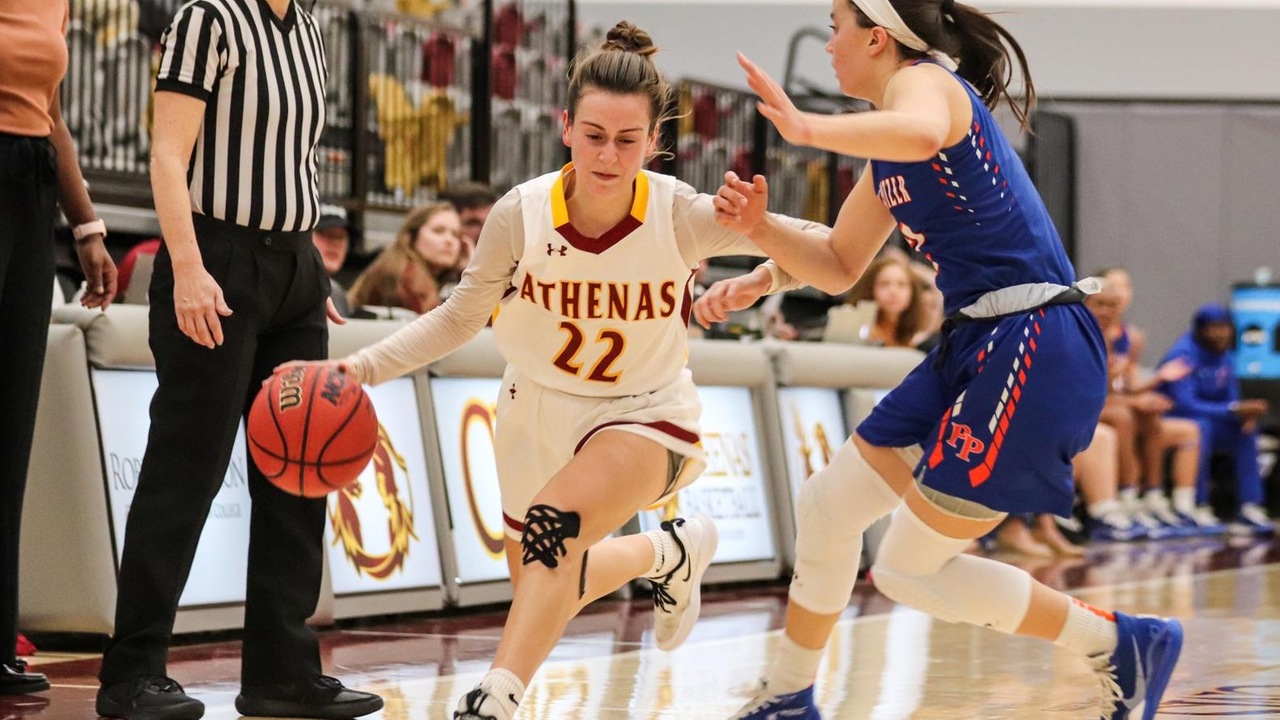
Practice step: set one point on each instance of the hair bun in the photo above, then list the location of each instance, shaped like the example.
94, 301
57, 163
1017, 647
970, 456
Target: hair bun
628, 38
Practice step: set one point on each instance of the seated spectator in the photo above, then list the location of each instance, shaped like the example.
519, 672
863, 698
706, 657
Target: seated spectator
332, 237
1144, 434
900, 310
1097, 479
414, 271
473, 200
1210, 396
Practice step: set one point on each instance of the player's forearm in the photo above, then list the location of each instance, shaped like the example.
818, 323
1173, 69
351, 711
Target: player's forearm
808, 257
882, 135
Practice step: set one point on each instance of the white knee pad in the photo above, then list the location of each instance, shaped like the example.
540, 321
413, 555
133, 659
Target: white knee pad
835, 506
924, 569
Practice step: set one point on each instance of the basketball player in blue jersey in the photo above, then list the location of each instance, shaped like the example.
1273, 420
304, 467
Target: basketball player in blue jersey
591, 269
998, 410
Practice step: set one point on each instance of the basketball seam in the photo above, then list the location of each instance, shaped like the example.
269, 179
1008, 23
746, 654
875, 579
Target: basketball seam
338, 431
339, 461
275, 421
306, 430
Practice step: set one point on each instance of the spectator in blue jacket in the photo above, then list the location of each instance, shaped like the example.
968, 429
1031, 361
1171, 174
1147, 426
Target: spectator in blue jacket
1210, 396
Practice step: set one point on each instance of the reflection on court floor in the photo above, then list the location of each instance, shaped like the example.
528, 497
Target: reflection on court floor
884, 661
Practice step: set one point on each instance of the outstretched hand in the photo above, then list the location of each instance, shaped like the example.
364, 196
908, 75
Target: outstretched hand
741, 205
775, 105
727, 296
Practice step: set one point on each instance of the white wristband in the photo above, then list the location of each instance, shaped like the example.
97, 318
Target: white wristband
93, 227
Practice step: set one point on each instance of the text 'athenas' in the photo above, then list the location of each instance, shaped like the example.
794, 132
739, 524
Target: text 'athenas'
591, 300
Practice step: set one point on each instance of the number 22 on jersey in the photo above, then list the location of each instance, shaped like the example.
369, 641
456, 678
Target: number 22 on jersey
567, 360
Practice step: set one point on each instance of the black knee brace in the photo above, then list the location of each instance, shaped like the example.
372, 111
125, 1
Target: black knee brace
545, 530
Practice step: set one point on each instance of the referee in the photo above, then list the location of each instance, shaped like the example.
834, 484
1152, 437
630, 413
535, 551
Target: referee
237, 289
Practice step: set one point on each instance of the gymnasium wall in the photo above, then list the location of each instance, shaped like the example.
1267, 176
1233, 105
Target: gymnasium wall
1206, 49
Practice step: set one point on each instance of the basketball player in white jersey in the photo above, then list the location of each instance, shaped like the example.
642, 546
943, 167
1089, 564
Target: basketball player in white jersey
591, 270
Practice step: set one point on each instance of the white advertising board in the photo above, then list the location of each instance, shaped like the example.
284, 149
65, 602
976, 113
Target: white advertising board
813, 429
380, 532
733, 488
466, 410
218, 571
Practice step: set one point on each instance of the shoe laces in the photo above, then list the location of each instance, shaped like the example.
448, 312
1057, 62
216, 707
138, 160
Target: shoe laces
1255, 514
20, 666
158, 683
1109, 690
763, 700
328, 683
1205, 517
473, 700
662, 597
1117, 519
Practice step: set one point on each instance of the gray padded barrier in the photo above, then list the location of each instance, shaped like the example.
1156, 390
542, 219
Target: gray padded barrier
422, 553
67, 571
861, 374
470, 517
68, 578
116, 338
726, 363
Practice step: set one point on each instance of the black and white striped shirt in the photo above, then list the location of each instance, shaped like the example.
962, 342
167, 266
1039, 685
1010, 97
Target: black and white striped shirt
263, 79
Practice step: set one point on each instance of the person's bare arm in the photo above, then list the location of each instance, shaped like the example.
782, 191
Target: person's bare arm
197, 298
73, 198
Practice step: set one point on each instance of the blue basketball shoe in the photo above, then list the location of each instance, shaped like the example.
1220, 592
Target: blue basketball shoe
1135, 675
792, 706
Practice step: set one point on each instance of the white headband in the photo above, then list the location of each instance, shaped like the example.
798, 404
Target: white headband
881, 13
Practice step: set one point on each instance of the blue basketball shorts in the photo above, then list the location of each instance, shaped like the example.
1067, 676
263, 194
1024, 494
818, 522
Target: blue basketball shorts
1003, 411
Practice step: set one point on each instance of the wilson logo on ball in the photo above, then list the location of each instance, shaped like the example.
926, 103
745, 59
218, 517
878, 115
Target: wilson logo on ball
291, 389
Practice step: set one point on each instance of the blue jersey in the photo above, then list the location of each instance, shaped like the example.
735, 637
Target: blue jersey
974, 213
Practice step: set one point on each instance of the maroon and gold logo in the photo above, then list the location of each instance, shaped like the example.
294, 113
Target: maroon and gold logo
478, 411
388, 468
803, 443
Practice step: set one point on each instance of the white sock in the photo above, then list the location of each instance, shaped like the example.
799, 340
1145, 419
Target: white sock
504, 687
1102, 508
1128, 498
1184, 500
666, 555
793, 668
1154, 500
1088, 630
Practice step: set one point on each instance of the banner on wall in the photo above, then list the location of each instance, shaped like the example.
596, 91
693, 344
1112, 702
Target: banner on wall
733, 489
218, 571
466, 409
813, 429
1257, 318
381, 532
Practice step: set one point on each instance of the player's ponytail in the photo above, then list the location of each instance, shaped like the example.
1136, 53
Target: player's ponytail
984, 49
621, 65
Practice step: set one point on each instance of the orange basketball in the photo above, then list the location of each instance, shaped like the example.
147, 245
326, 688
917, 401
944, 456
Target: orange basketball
312, 430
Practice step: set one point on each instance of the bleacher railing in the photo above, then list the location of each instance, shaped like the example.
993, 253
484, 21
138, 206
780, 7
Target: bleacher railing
415, 104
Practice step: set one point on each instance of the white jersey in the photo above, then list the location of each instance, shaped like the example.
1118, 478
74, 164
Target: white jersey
601, 317
596, 317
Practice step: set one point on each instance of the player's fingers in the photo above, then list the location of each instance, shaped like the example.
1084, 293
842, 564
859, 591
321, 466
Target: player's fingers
743, 189
729, 200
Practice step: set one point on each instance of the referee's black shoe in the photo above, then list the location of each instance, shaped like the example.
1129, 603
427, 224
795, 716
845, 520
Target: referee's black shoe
151, 697
319, 696
15, 680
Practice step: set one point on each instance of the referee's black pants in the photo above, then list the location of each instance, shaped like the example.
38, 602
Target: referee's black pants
276, 286
28, 187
